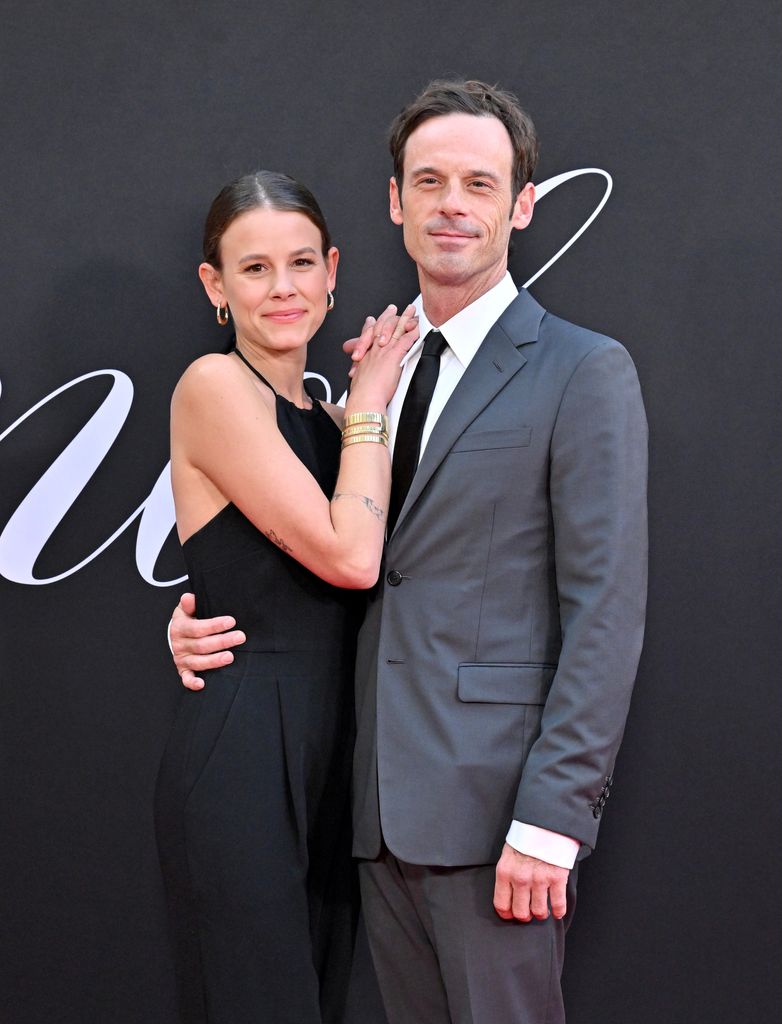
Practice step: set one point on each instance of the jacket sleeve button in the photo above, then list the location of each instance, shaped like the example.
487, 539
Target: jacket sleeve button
394, 578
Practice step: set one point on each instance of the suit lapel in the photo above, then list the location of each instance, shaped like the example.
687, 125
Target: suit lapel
495, 363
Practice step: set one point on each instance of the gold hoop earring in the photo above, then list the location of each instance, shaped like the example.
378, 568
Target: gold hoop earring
222, 317
330, 303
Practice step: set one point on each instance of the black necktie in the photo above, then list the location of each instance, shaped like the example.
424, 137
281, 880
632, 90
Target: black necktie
407, 444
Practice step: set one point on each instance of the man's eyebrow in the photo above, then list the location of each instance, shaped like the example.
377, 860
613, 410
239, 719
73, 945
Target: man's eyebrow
483, 174
470, 174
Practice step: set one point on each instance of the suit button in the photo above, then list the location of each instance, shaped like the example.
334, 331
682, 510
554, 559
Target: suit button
394, 578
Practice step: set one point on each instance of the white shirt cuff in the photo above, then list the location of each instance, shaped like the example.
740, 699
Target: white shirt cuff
541, 843
168, 637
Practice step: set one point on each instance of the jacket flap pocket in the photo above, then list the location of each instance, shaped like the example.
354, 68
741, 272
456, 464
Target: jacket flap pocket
505, 684
485, 440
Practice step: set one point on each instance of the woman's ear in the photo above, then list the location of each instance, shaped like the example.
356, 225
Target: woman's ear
211, 279
332, 259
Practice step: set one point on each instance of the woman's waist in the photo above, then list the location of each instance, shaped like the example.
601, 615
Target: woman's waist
268, 588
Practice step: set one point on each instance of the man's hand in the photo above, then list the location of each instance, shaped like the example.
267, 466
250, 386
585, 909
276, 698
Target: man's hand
201, 644
525, 886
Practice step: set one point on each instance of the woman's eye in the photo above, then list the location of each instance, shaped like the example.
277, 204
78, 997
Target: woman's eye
255, 268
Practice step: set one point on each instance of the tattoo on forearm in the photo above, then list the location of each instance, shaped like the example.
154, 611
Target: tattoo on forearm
374, 508
278, 540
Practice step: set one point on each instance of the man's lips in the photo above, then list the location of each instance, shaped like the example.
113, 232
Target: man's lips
451, 241
449, 236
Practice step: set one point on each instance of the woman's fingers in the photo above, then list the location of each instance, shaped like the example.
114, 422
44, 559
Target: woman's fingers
401, 325
406, 330
410, 337
388, 328
384, 327
373, 332
365, 339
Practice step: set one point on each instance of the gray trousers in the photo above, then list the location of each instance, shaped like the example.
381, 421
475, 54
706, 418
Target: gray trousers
443, 956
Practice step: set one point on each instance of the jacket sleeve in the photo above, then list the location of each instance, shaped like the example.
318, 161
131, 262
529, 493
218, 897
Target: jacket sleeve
598, 475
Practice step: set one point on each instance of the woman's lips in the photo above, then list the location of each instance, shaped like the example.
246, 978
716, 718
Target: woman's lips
285, 316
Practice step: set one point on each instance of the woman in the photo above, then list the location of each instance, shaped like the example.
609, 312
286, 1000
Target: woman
252, 812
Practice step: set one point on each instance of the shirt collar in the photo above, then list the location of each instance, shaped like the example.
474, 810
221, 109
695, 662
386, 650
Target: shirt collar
465, 331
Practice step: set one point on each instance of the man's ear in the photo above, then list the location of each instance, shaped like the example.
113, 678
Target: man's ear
211, 279
395, 202
523, 208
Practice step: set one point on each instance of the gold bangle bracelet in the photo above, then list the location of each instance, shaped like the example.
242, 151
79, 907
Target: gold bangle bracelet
361, 438
378, 438
366, 417
361, 428
364, 428
359, 417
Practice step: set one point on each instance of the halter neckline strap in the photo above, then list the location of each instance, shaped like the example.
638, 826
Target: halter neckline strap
276, 394
257, 373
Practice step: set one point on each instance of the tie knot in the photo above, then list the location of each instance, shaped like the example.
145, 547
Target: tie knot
434, 344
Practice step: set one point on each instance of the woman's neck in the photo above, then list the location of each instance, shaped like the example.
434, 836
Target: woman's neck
283, 370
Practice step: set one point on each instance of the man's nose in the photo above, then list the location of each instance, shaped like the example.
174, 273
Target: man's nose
453, 201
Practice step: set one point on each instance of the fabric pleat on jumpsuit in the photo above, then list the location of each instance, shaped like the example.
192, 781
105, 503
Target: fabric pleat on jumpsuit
252, 805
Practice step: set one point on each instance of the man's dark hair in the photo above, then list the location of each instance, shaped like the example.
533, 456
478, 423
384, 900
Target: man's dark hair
469, 97
268, 190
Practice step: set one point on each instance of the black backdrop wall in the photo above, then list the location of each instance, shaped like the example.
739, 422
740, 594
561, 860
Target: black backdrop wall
119, 123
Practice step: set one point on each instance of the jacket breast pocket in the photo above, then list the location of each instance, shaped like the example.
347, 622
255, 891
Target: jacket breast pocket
520, 683
486, 440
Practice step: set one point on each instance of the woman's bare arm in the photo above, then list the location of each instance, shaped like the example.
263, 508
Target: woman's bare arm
225, 437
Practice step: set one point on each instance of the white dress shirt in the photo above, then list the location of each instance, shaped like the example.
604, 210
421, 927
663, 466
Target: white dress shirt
464, 334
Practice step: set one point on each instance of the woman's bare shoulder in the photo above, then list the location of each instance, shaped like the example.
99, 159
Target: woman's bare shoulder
212, 367
211, 375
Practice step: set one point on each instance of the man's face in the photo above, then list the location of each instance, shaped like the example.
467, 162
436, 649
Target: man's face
455, 207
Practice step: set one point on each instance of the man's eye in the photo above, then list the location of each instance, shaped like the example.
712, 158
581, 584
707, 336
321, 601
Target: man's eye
255, 268
304, 261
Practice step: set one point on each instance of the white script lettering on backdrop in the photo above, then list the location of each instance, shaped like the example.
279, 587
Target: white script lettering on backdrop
47, 503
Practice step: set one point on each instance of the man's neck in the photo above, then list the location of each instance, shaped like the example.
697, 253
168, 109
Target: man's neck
443, 301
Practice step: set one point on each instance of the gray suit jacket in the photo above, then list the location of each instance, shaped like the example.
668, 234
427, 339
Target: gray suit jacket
501, 643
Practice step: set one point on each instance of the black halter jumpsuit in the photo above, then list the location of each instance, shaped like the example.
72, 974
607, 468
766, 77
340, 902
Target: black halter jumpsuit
252, 809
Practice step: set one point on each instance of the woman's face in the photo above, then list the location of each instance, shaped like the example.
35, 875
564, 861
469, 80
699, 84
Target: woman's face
274, 278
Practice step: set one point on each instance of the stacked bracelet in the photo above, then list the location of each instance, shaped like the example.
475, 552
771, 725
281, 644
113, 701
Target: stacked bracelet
378, 418
363, 438
362, 427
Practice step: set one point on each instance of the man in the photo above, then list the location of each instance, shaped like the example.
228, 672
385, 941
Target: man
499, 650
